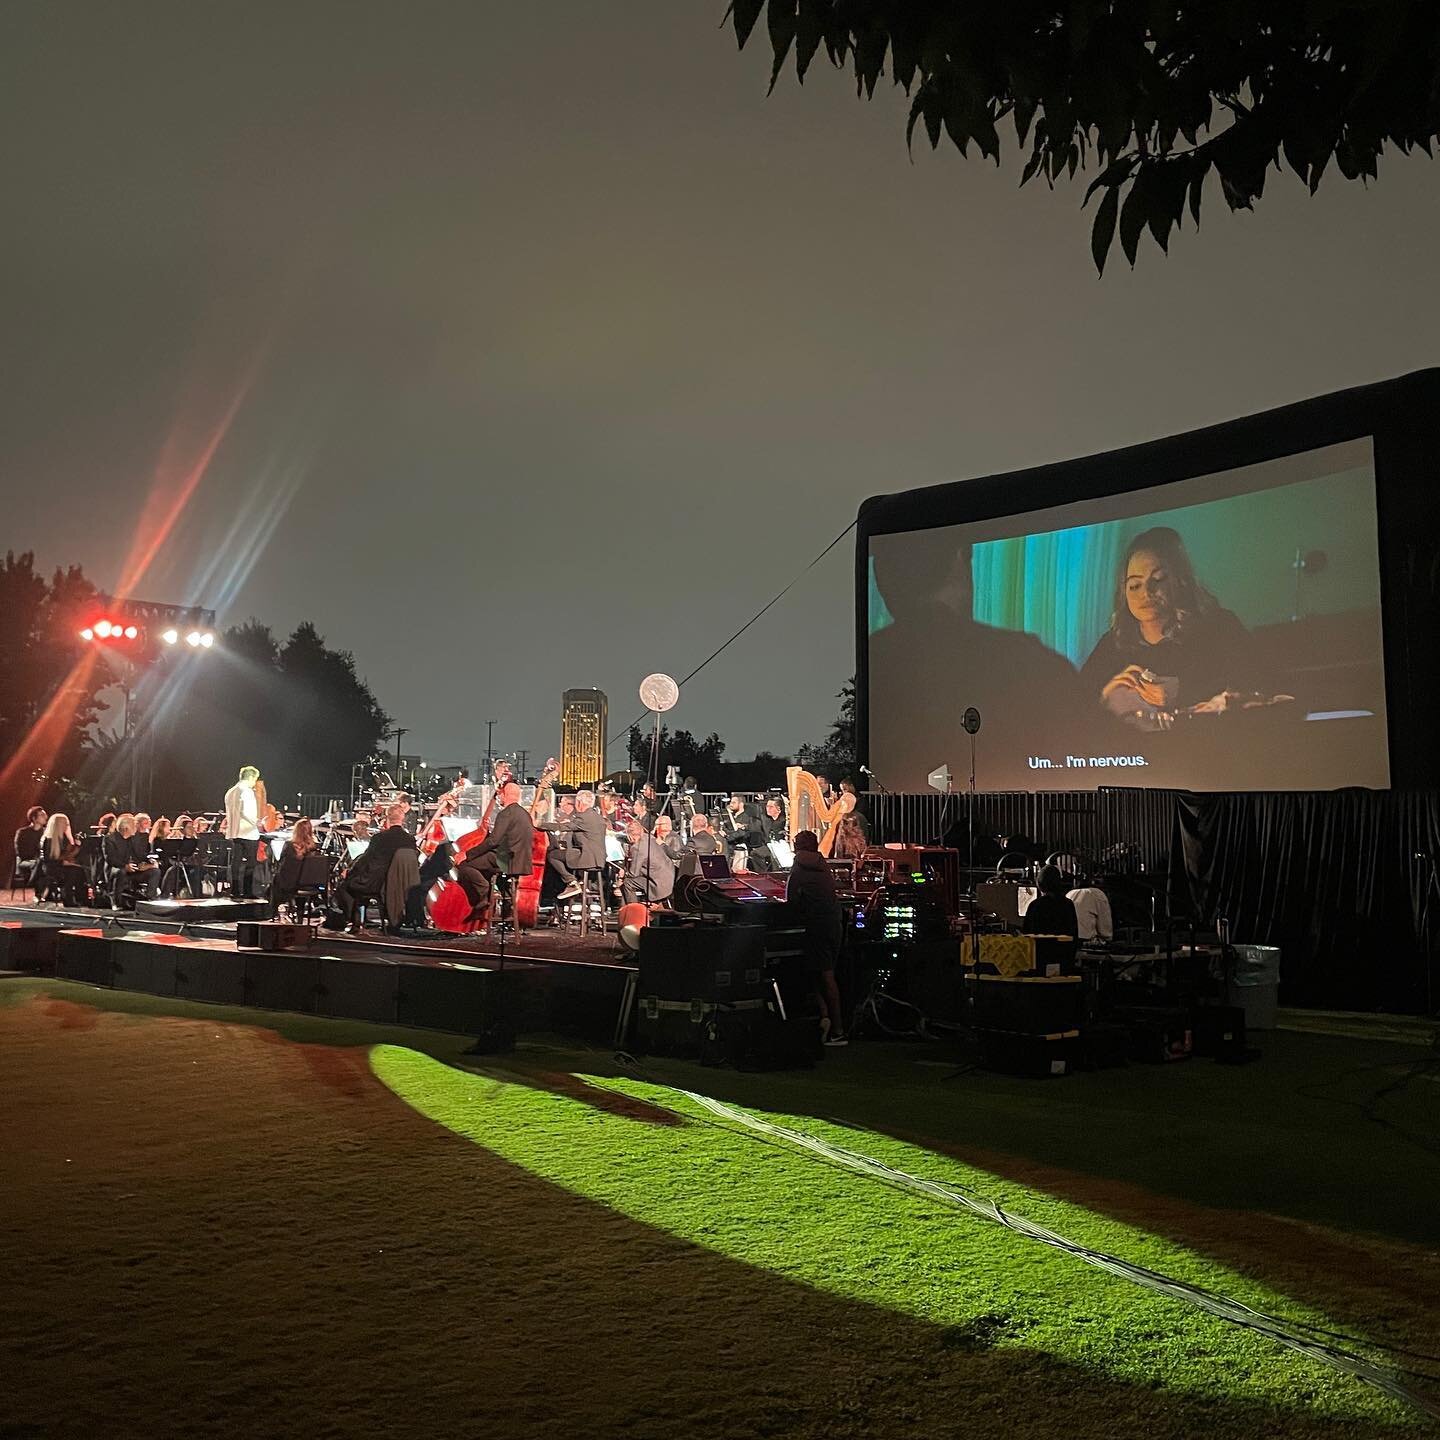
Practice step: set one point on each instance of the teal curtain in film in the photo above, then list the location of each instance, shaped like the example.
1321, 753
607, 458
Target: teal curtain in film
1057, 586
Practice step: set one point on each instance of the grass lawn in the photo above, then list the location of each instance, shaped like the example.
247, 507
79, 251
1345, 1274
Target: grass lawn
239, 1222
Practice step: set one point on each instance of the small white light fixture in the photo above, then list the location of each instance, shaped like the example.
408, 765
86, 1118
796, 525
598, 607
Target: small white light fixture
207, 639
132, 632
102, 629
87, 633
193, 638
171, 637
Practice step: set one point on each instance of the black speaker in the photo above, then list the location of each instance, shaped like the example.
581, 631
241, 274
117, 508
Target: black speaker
214, 975
272, 935
143, 964
436, 998
29, 947
84, 955
713, 962
359, 990
281, 981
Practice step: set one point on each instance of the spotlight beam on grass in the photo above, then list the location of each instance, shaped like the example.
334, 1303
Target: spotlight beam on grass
774, 1207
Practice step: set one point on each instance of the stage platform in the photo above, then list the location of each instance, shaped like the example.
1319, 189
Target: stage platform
214, 910
546, 980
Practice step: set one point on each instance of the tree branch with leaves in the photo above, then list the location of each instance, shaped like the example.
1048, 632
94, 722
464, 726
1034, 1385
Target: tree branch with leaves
1153, 99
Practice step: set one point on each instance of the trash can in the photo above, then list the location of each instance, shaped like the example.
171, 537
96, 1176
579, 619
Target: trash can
1255, 984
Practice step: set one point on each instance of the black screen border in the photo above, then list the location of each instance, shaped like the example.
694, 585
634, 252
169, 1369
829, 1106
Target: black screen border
1400, 417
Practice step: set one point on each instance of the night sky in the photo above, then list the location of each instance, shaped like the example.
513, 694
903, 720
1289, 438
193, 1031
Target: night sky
532, 346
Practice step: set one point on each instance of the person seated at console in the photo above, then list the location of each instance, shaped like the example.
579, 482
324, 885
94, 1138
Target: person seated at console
27, 844
1092, 911
810, 893
579, 844
366, 877
58, 848
1171, 645
649, 870
1052, 912
284, 882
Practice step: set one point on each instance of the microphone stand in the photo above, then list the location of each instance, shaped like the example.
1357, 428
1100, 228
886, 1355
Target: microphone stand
880, 785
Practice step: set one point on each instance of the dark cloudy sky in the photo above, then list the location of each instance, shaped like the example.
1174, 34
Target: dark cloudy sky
541, 347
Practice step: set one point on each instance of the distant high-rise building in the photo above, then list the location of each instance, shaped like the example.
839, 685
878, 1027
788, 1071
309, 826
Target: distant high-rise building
583, 721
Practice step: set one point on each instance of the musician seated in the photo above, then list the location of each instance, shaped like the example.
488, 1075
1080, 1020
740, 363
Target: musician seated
57, 867
852, 834
579, 844
770, 826
360, 828
1052, 912
367, 876
649, 870
286, 879
737, 823
507, 850
133, 874
702, 838
667, 839
28, 840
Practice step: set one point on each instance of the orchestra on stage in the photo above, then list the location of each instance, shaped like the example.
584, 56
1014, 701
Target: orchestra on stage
497, 853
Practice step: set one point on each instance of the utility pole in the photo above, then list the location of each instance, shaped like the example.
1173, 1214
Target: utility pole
489, 748
521, 758
395, 735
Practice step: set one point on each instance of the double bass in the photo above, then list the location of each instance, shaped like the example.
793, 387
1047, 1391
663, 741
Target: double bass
527, 889
449, 904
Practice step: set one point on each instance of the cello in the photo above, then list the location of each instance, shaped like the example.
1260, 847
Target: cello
527, 889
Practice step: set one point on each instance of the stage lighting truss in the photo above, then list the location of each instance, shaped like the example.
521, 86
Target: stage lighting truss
124, 633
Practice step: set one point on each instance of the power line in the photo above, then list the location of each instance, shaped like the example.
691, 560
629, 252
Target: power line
774, 600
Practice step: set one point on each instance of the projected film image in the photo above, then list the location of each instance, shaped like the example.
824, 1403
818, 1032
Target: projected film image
1216, 633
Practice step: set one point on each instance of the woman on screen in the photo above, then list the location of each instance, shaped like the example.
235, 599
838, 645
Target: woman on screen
1171, 647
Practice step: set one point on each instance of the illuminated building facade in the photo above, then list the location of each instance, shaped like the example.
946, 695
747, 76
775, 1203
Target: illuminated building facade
583, 721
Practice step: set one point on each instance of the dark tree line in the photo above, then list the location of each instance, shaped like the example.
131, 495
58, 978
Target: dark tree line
1152, 99
296, 708
49, 682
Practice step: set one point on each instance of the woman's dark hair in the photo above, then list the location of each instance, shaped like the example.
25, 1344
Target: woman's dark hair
1189, 598
807, 840
1050, 881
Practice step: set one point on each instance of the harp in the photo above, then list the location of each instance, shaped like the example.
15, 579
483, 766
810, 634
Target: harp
808, 810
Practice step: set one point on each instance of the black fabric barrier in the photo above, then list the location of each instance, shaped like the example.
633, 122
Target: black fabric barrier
1342, 881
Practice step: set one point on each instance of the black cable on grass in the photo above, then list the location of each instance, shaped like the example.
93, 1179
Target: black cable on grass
1221, 1306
